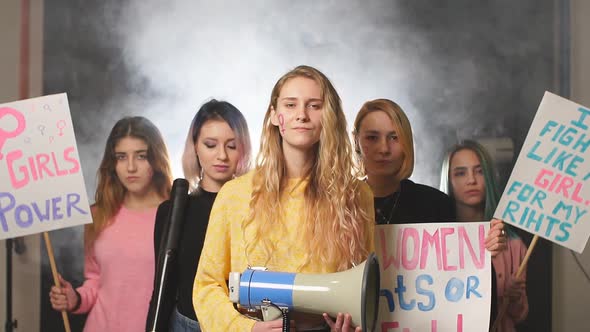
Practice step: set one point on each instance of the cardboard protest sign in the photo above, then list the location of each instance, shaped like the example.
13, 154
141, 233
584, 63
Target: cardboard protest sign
42, 183
548, 193
434, 277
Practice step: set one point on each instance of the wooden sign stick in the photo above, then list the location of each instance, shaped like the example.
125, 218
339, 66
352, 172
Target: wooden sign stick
521, 268
64, 314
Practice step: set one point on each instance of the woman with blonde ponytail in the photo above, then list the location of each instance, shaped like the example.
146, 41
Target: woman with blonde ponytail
302, 209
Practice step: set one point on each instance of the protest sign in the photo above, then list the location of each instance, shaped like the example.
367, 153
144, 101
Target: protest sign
42, 183
548, 193
434, 277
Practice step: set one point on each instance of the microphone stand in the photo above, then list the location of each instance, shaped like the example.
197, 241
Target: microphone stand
168, 243
162, 284
10, 324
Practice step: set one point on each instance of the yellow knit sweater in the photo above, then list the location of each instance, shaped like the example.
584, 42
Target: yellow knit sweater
224, 250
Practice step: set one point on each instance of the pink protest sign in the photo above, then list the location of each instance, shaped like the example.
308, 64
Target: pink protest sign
548, 192
42, 183
434, 277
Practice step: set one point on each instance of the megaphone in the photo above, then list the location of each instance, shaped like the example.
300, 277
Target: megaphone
354, 291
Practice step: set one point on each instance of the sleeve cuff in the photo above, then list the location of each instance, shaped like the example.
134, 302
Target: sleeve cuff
78, 302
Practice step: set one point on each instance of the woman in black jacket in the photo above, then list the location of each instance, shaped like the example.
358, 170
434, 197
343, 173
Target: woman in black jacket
385, 153
217, 149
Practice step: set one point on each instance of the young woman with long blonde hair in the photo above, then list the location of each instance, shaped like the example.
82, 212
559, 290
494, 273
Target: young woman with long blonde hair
301, 209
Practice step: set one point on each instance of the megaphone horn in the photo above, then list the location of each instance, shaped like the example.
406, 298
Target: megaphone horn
354, 291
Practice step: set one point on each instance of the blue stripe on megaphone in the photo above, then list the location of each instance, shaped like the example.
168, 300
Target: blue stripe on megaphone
256, 286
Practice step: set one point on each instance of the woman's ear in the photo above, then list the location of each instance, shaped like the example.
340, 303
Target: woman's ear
355, 141
273, 116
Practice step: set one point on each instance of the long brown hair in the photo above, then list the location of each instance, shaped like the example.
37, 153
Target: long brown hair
335, 223
110, 192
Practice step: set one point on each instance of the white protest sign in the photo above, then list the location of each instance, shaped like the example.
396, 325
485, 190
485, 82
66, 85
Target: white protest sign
42, 186
434, 277
548, 192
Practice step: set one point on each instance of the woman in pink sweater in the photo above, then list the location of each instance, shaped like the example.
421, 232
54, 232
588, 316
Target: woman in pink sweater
133, 179
468, 177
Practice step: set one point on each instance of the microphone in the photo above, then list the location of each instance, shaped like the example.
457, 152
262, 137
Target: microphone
168, 251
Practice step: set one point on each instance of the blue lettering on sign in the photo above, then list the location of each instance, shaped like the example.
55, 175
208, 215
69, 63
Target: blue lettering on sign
26, 214
472, 283
388, 295
428, 293
580, 122
454, 290
400, 290
532, 219
564, 161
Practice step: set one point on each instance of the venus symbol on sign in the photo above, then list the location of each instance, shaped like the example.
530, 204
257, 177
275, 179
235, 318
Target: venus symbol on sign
61, 124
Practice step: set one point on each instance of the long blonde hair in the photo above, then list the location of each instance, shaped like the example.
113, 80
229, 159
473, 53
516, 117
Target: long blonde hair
110, 192
334, 221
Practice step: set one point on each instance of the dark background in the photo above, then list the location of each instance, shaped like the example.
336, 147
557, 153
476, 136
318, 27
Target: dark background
460, 69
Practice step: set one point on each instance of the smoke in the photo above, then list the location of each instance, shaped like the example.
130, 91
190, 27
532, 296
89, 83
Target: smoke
191, 51
458, 69
453, 69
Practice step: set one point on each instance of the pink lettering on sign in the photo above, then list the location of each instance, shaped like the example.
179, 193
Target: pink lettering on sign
444, 232
428, 241
412, 250
559, 184
39, 166
395, 326
465, 242
407, 262
20, 126
386, 326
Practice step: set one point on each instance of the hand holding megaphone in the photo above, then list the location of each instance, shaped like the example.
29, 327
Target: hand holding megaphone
273, 325
354, 291
343, 323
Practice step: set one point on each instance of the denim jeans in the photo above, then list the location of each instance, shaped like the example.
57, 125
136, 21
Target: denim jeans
181, 323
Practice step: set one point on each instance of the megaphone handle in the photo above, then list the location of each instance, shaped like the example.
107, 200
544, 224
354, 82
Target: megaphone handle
270, 312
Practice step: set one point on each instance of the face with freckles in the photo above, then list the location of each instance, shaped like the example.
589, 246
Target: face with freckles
132, 165
298, 113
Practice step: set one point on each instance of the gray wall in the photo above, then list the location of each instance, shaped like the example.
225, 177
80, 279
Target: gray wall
26, 267
571, 279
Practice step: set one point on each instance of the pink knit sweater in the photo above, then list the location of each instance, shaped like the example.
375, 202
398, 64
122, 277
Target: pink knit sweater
119, 274
506, 265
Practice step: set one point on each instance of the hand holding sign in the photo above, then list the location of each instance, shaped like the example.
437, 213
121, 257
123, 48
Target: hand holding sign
63, 296
496, 239
46, 188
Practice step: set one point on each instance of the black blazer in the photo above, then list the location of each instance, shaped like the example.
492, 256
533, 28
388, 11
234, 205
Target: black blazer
181, 275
